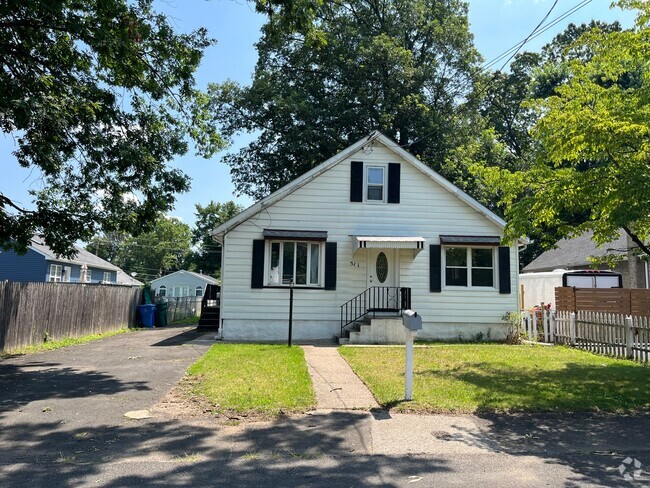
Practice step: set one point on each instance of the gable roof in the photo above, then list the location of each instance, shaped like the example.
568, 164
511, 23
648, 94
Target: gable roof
82, 257
337, 158
124, 278
206, 278
574, 252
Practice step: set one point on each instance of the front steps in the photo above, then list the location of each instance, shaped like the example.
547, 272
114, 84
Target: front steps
209, 319
378, 330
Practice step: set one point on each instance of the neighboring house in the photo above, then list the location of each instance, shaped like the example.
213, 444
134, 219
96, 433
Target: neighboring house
126, 279
371, 216
573, 254
182, 284
40, 263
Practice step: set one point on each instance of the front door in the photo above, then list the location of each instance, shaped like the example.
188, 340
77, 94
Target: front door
382, 274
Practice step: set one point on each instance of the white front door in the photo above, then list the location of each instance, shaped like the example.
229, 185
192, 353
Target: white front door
382, 272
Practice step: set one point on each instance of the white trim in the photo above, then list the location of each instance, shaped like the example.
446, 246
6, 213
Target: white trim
299, 182
468, 267
384, 185
321, 263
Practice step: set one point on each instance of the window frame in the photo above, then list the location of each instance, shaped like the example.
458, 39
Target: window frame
309, 284
55, 278
163, 289
197, 288
104, 280
384, 184
469, 267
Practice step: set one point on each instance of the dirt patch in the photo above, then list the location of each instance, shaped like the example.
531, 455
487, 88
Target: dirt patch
181, 403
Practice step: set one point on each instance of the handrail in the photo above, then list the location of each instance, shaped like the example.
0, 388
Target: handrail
375, 299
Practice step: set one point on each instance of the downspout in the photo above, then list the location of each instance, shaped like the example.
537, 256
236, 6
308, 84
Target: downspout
223, 259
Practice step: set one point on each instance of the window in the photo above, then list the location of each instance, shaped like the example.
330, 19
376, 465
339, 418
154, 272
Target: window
107, 277
162, 291
469, 266
375, 183
56, 272
86, 276
199, 291
297, 262
181, 291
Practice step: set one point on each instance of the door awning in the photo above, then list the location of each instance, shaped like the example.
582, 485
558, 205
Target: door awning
388, 242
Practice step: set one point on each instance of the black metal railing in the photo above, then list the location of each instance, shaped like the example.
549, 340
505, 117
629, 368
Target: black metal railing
375, 299
211, 297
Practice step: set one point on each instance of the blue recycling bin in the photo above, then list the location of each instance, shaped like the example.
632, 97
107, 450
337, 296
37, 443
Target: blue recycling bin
147, 315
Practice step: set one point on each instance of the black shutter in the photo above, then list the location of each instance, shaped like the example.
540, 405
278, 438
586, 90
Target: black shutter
330, 265
504, 270
435, 268
356, 181
393, 182
257, 272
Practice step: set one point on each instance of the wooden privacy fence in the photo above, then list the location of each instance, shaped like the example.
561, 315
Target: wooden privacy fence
29, 312
611, 321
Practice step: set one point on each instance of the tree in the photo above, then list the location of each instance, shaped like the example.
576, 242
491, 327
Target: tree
400, 67
207, 254
98, 96
164, 249
593, 134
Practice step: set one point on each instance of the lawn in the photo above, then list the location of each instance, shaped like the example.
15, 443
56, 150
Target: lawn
466, 378
253, 379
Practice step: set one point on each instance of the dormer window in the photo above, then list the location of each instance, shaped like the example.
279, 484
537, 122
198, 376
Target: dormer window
375, 183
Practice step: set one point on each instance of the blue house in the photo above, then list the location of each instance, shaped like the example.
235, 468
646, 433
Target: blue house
42, 264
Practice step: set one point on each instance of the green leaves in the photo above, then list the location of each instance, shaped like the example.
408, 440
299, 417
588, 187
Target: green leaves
99, 96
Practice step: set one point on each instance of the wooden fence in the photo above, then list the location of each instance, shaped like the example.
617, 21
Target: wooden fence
629, 301
29, 312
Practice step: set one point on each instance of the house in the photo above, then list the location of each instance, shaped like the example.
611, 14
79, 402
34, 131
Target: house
574, 254
361, 237
40, 263
182, 284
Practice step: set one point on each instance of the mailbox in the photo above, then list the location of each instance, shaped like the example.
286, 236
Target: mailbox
411, 320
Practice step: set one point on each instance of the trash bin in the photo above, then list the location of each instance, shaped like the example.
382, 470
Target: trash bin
161, 314
146, 315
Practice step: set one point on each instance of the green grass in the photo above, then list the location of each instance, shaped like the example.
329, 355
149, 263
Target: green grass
186, 321
51, 345
467, 378
253, 379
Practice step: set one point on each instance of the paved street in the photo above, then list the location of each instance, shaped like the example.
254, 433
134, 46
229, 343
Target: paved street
62, 424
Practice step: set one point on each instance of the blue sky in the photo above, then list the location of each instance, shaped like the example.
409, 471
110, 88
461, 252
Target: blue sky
497, 25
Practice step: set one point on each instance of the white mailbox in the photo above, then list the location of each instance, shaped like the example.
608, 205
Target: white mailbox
411, 320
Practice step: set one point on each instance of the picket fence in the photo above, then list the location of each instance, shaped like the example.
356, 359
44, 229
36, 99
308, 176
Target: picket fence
611, 334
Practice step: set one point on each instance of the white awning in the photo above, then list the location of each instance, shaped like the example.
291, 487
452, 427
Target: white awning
388, 242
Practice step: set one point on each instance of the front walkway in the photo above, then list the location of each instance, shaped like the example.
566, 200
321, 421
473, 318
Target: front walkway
335, 384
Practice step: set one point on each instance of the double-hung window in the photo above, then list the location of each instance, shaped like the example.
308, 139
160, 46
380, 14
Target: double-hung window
295, 262
56, 273
469, 266
107, 277
375, 183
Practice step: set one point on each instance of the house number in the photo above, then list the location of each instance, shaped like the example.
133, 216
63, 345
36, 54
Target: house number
354, 264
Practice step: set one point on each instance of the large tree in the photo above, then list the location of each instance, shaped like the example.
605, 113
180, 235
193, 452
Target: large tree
593, 136
98, 95
164, 249
401, 67
206, 256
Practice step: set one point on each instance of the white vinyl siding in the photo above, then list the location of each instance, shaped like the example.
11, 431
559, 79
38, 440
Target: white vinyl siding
426, 210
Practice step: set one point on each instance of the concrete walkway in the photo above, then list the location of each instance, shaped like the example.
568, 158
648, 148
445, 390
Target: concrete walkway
335, 384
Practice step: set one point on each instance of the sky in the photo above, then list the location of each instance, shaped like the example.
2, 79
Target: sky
497, 25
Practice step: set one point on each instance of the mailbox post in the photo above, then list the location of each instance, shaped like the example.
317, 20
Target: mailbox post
412, 322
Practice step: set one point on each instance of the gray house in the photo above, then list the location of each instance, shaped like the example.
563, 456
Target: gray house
182, 284
42, 264
573, 254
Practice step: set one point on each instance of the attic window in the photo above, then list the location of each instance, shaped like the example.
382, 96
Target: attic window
375, 183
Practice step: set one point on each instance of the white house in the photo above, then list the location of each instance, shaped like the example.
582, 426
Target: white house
182, 284
372, 222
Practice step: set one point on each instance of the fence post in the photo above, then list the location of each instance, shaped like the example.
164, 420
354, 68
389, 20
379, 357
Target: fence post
532, 334
552, 325
629, 338
545, 319
572, 328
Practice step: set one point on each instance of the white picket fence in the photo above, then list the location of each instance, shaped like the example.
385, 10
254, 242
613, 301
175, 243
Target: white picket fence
617, 335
